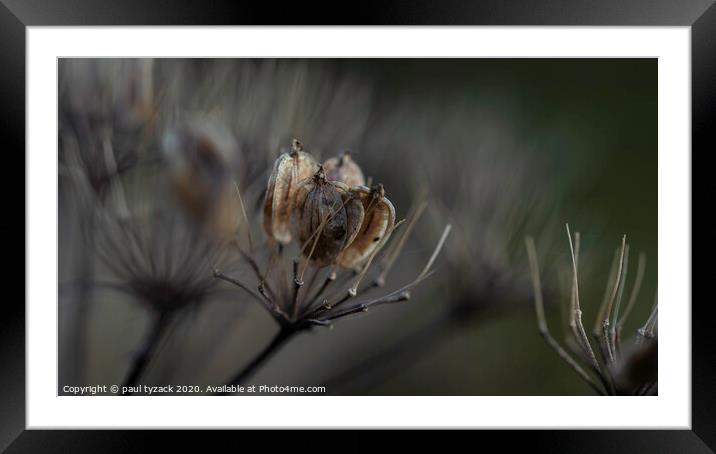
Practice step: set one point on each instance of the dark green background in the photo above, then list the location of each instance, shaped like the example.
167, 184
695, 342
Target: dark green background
594, 121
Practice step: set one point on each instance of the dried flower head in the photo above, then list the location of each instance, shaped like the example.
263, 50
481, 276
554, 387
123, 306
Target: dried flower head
156, 256
627, 367
338, 232
151, 250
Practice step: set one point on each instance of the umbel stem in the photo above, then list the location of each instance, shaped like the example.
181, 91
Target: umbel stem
144, 356
284, 334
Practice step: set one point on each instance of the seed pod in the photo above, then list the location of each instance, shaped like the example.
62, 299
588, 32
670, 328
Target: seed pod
637, 366
198, 156
378, 223
321, 221
345, 169
289, 172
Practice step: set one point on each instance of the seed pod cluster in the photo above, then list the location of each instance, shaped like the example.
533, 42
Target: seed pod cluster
327, 208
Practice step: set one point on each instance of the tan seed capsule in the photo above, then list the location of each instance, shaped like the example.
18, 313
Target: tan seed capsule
320, 219
289, 171
345, 169
378, 223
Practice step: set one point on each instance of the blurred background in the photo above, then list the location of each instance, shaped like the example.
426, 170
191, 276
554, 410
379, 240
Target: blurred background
499, 148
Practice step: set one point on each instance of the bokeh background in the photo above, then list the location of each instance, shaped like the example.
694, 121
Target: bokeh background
500, 148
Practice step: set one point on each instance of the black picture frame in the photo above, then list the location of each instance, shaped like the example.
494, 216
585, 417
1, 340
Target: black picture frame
16, 15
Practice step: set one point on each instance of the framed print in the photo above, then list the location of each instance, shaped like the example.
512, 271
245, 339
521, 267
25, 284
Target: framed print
393, 224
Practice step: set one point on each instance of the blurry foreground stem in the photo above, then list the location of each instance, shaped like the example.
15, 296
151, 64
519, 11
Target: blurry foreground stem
284, 335
144, 356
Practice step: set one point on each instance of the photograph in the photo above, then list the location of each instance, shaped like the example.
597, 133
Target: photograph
357, 226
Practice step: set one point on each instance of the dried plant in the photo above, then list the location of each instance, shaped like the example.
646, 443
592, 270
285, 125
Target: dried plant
337, 232
157, 227
624, 367
159, 256
106, 126
206, 146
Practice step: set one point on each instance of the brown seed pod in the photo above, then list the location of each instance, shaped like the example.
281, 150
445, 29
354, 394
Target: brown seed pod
345, 169
326, 218
289, 172
378, 223
198, 156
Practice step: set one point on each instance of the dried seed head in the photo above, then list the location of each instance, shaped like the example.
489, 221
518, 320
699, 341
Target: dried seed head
344, 169
289, 172
151, 250
378, 222
320, 219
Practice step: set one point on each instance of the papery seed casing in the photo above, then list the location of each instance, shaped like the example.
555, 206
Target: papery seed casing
378, 223
289, 171
355, 214
321, 220
344, 169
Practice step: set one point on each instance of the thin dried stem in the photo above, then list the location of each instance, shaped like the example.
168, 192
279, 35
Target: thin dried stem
246, 219
617, 305
263, 280
394, 252
147, 351
402, 294
647, 332
353, 291
652, 322
281, 338
309, 287
219, 275
608, 312
603, 307
574, 300
641, 268
330, 278
576, 315
265, 301
441, 242
542, 321
297, 284
248, 257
